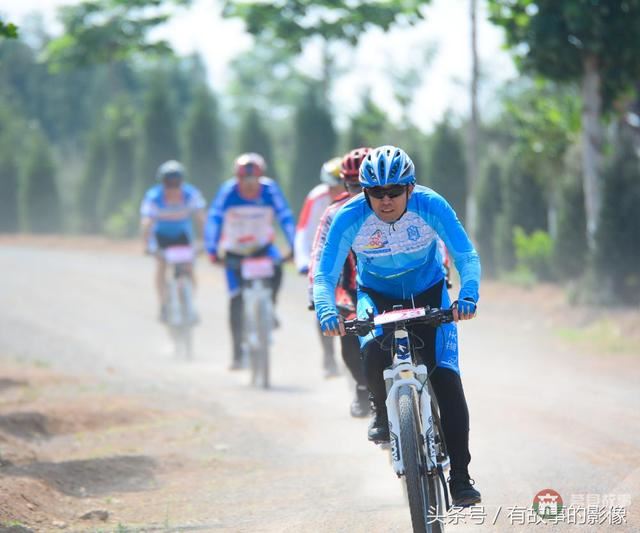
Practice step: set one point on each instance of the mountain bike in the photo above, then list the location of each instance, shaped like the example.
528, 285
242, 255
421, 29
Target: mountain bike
256, 275
181, 315
417, 446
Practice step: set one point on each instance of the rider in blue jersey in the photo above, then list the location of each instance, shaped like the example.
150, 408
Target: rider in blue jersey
241, 224
166, 213
393, 228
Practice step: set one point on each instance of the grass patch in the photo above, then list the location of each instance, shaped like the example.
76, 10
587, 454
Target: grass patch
604, 336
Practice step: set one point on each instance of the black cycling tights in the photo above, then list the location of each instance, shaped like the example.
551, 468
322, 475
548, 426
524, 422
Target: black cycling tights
236, 312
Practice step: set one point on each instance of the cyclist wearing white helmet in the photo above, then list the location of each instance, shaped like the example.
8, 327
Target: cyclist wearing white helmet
167, 211
318, 199
393, 229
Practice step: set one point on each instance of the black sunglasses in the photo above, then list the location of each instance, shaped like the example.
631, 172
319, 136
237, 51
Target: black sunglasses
392, 192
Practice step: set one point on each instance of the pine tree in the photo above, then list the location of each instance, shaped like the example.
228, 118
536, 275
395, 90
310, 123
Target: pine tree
117, 185
570, 247
523, 205
159, 138
202, 143
315, 144
618, 236
38, 198
369, 127
447, 170
8, 171
93, 176
253, 137
489, 205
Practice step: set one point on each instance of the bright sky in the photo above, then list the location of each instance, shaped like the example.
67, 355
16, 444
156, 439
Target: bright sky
201, 28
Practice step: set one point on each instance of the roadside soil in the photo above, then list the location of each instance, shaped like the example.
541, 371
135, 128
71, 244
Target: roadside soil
101, 429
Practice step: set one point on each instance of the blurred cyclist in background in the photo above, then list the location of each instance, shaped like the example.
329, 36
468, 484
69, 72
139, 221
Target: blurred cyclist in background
346, 290
166, 214
315, 204
241, 224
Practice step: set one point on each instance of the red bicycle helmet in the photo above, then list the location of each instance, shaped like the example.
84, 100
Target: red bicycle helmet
350, 168
250, 164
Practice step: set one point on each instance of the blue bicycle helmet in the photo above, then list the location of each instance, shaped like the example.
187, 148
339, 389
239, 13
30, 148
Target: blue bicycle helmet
387, 165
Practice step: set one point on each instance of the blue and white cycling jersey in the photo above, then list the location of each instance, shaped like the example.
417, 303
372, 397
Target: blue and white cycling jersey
243, 226
172, 220
399, 260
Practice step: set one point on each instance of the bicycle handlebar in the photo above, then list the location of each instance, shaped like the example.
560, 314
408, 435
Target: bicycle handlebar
433, 316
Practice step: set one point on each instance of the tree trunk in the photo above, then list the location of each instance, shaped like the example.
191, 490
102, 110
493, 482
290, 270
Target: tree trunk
591, 144
472, 166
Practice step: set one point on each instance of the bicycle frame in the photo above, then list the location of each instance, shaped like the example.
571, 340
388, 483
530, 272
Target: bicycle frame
404, 371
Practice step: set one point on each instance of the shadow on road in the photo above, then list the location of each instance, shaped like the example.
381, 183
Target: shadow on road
92, 477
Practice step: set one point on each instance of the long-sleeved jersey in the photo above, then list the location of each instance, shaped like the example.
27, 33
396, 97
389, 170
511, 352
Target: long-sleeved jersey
399, 259
314, 206
171, 220
348, 276
243, 226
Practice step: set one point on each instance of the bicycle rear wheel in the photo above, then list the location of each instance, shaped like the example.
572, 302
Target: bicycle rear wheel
421, 489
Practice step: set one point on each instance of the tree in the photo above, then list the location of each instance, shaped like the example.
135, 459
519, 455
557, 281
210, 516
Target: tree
368, 127
118, 183
618, 237
489, 199
202, 142
523, 205
315, 144
93, 177
593, 42
107, 31
38, 199
8, 30
446, 172
158, 132
253, 137
293, 22
11, 132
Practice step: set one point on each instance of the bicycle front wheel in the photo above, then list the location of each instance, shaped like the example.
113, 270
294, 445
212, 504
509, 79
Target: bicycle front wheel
420, 492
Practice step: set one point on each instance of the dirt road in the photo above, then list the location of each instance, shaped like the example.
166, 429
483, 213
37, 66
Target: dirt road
96, 415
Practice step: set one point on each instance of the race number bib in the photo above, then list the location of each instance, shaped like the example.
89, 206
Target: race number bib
257, 268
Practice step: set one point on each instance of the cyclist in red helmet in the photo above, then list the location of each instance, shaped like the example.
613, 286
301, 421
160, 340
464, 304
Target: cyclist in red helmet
346, 289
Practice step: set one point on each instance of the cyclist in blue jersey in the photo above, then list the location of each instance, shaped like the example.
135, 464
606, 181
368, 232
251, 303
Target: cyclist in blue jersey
393, 228
241, 224
167, 211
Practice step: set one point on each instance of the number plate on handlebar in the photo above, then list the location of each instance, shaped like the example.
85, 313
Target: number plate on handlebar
257, 268
398, 315
179, 254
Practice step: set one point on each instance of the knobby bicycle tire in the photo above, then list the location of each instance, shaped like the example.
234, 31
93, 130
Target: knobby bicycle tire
421, 489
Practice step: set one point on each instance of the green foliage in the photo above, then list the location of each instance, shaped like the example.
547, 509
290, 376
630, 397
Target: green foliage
554, 38
292, 22
570, 247
523, 204
369, 127
489, 195
533, 252
94, 175
158, 132
117, 185
253, 137
8, 30
105, 31
123, 222
315, 143
10, 134
447, 170
618, 237
203, 156
38, 199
